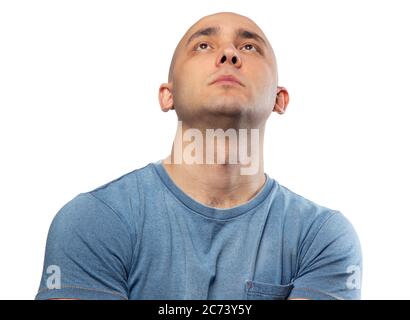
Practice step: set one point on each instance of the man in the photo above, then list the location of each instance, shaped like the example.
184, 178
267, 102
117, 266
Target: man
206, 222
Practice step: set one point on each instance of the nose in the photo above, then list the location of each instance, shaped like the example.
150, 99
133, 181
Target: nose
229, 56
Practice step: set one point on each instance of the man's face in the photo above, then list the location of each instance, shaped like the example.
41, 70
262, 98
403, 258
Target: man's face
224, 44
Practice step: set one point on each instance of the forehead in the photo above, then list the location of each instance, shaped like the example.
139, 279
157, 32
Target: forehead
227, 23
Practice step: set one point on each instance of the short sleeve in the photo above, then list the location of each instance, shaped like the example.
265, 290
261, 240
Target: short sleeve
330, 267
88, 252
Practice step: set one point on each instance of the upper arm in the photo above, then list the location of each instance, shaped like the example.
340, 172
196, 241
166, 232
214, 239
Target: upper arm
330, 266
88, 253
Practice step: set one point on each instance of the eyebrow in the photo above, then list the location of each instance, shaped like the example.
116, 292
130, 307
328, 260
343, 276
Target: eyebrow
209, 31
240, 33
246, 34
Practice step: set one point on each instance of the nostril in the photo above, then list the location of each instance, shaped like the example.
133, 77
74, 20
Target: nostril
223, 59
234, 60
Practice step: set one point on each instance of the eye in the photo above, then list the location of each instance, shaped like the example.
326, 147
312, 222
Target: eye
251, 46
201, 45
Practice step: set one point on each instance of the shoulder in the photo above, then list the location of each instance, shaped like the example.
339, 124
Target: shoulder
122, 195
116, 201
305, 219
120, 190
301, 212
315, 223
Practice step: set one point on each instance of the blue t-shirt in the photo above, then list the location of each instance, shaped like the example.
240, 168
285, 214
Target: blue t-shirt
141, 237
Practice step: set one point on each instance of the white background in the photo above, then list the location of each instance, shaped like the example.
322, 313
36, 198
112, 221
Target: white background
78, 107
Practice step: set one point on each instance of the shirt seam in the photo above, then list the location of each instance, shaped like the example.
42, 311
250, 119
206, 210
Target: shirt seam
216, 219
205, 216
317, 232
82, 288
318, 291
138, 234
89, 194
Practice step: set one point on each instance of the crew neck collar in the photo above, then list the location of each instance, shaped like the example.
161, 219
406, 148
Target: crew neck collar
211, 212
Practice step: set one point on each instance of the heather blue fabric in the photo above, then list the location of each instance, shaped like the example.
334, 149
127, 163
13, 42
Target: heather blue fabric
141, 237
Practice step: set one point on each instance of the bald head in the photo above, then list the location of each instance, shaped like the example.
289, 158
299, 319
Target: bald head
211, 21
223, 44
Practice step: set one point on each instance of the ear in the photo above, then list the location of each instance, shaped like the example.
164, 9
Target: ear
165, 97
282, 100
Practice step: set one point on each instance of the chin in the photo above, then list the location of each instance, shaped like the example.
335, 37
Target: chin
228, 105
227, 109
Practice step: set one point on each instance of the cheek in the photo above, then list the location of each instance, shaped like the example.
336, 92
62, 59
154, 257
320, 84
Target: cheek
261, 89
192, 79
185, 89
264, 82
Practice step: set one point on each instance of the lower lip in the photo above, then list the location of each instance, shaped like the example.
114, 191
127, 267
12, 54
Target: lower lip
230, 82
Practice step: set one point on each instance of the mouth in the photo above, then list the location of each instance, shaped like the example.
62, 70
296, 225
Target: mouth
227, 80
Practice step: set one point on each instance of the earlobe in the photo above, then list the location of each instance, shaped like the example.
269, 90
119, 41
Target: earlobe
165, 97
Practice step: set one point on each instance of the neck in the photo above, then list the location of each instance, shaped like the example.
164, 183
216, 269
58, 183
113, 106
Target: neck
226, 169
